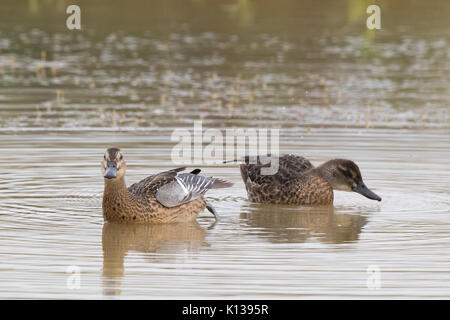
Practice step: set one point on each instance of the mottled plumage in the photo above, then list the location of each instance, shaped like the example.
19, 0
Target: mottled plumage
144, 201
299, 182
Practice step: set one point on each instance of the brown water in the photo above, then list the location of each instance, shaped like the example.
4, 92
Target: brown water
133, 76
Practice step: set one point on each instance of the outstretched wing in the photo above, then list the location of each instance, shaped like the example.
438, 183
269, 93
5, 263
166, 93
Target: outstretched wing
187, 187
148, 186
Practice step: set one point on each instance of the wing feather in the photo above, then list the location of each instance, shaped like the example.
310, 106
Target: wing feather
186, 187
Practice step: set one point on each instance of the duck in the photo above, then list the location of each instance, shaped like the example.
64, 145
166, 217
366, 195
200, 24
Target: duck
298, 182
165, 197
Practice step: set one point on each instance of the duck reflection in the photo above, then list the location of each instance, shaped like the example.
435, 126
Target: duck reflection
298, 224
119, 239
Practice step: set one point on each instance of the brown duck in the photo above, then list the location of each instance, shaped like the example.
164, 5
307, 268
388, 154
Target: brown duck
164, 197
297, 181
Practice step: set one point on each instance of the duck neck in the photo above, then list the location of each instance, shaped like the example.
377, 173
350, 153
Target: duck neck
323, 172
115, 186
115, 196
115, 191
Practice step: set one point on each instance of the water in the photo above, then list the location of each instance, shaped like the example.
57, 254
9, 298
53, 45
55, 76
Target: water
334, 90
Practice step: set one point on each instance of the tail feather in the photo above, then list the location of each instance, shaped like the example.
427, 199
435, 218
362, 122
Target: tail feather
250, 159
228, 161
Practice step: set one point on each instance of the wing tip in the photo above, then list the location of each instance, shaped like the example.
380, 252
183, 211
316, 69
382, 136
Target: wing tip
221, 183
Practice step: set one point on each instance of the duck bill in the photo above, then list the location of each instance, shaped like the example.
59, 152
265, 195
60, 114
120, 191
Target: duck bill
361, 188
111, 170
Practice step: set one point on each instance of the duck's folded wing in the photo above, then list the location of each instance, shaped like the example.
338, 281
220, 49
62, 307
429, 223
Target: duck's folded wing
287, 163
290, 168
295, 163
187, 187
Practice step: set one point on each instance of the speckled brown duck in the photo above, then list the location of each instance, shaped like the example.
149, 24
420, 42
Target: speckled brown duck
297, 181
164, 197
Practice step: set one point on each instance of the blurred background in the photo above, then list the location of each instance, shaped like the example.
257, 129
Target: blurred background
146, 63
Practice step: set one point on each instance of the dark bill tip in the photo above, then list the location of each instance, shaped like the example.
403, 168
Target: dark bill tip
111, 170
361, 188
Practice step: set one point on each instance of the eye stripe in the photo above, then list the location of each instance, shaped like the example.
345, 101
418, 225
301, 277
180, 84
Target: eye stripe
347, 173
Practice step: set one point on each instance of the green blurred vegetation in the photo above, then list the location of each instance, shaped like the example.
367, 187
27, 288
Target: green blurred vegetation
243, 12
288, 17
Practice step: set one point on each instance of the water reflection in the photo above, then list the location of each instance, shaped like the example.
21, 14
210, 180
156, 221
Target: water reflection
119, 239
298, 224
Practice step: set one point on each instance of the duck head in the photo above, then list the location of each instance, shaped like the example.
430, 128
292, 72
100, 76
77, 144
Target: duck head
113, 165
344, 175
